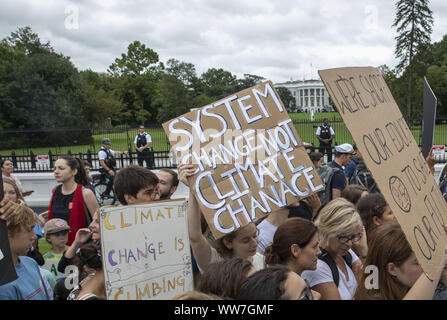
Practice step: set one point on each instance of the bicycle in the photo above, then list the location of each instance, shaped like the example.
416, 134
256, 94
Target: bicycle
100, 181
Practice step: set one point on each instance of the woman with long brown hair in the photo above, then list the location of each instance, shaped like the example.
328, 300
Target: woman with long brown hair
295, 245
71, 201
399, 274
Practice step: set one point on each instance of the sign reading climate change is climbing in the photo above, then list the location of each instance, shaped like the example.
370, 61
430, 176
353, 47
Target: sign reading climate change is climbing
250, 160
389, 150
145, 249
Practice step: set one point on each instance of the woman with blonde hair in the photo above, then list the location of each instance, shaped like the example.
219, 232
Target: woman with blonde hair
399, 274
338, 267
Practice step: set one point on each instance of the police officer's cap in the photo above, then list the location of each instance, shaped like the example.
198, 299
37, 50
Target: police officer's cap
106, 141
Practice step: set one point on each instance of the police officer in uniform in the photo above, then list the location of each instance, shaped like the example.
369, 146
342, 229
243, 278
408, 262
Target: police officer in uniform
325, 135
142, 144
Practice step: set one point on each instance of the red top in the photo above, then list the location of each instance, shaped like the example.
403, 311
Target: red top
77, 213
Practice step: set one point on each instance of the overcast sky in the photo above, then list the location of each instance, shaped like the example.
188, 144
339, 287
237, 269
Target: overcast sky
278, 39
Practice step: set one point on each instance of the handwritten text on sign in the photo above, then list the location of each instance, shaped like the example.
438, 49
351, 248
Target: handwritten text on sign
250, 159
146, 251
393, 157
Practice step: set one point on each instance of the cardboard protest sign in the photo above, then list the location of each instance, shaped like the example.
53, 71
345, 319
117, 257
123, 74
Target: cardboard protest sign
428, 118
146, 252
391, 154
7, 270
250, 160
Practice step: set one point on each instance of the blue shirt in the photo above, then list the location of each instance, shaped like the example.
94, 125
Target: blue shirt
30, 284
350, 168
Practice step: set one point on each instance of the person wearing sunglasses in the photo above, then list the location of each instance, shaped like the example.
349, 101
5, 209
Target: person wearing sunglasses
338, 267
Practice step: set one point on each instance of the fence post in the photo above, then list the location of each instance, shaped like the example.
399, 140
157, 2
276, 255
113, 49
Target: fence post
89, 157
130, 155
14, 159
33, 159
50, 158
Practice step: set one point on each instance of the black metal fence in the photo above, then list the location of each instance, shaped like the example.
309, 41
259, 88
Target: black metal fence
63, 141
32, 163
75, 140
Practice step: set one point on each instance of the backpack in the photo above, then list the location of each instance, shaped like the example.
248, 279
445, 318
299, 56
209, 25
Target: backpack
326, 174
443, 185
362, 176
326, 257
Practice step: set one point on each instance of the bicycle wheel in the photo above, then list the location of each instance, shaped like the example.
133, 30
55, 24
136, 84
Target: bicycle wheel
103, 199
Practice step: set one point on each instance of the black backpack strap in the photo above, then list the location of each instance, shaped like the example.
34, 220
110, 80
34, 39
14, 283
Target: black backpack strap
326, 257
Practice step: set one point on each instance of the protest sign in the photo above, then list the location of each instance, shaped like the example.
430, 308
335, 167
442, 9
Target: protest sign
7, 270
391, 154
146, 251
250, 160
428, 118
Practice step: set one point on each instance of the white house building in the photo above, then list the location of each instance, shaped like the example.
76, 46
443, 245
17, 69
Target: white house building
310, 95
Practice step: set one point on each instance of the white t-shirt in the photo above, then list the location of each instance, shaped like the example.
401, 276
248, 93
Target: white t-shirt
323, 274
266, 233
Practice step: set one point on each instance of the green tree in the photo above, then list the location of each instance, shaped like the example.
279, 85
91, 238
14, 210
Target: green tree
10, 60
218, 83
172, 98
249, 80
138, 60
287, 99
102, 99
139, 73
414, 21
183, 71
437, 78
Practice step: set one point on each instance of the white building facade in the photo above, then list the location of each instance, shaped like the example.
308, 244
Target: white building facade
310, 95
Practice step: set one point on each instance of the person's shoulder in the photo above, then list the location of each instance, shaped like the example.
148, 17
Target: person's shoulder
27, 261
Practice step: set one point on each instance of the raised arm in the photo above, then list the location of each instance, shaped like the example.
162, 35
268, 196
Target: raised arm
424, 288
199, 244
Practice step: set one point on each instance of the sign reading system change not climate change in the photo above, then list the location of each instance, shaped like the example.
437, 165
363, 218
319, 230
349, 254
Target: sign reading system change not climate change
250, 160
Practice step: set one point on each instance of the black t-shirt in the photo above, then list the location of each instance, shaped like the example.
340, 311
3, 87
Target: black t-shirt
339, 178
62, 204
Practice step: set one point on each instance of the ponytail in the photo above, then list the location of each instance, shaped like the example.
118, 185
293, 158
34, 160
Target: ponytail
271, 258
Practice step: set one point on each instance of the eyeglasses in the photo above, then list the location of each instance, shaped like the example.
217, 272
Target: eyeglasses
355, 238
307, 295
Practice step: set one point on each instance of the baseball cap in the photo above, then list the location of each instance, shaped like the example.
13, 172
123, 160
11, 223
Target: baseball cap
106, 141
345, 148
55, 225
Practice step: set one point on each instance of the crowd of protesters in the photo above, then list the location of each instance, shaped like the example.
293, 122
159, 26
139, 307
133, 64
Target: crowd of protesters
314, 249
